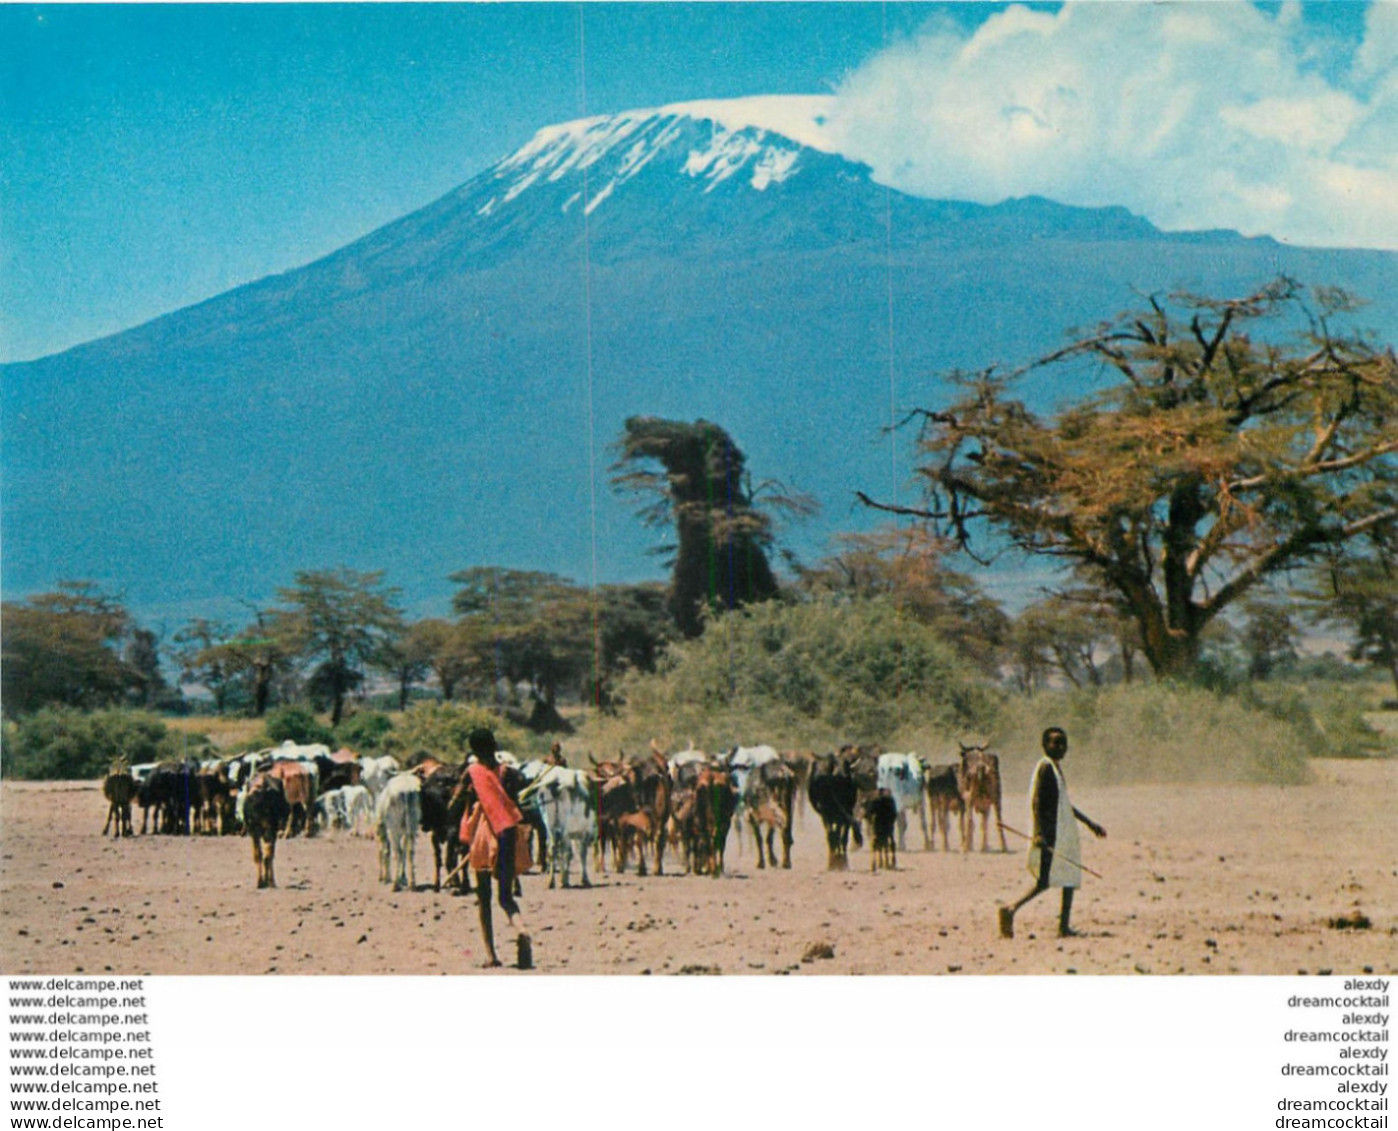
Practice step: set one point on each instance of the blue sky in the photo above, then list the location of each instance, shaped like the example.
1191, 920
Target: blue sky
156, 155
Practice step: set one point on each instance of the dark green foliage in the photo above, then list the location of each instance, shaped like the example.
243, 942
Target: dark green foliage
64, 649
1360, 595
64, 743
364, 730
142, 657
527, 627
721, 537
908, 565
298, 725
824, 671
441, 730
341, 620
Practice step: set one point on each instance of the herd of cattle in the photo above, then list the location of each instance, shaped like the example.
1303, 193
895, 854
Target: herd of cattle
636, 807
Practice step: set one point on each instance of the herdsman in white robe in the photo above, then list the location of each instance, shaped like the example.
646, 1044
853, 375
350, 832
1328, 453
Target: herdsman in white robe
1054, 855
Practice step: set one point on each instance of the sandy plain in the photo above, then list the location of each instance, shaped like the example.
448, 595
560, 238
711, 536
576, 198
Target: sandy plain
1198, 879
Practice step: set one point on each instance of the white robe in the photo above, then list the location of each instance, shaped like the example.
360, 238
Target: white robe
1064, 869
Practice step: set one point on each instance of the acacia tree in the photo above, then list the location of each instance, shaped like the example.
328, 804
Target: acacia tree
64, 648
532, 627
202, 660
455, 653
722, 538
341, 618
1216, 460
253, 659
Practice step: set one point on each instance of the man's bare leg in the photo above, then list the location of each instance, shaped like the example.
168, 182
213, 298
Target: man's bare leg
487, 927
1007, 914
1065, 914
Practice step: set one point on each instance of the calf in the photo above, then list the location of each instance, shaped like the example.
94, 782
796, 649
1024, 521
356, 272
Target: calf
358, 806
881, 811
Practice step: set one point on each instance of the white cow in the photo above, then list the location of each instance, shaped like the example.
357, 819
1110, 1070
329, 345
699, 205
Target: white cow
330, 806
397, 817
375, 773
359, 809
902, 776
741, 762
564, 798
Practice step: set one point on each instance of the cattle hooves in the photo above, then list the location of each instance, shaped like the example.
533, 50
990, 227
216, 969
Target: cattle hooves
524, 952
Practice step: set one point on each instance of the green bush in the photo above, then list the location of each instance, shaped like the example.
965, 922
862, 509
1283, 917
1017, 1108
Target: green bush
813, 674
363, 731
441, 729
65, 743
298, 725
1331, 716
1160, 732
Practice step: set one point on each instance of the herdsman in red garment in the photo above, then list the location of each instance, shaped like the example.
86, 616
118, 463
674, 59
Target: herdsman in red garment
1054, 856
504, 819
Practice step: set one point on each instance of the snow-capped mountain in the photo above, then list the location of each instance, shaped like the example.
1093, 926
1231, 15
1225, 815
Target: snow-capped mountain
441, 393
756, 141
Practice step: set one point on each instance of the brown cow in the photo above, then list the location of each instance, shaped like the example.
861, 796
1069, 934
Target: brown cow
299, 789
715, 799
980, 793
625, 789
943, 785
770, 799
265, 811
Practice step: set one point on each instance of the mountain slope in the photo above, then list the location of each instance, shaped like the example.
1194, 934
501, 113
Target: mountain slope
441, 393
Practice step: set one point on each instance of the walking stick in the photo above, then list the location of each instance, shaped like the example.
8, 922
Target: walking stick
1069, 859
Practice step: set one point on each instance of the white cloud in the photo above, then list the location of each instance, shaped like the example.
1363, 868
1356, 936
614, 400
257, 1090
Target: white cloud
1196, 115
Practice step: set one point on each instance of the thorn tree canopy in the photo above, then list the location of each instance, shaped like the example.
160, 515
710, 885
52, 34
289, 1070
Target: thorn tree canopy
1215, 460
341, 618
722, 538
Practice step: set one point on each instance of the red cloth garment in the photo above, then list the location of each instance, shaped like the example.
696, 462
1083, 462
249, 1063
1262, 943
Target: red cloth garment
500, 811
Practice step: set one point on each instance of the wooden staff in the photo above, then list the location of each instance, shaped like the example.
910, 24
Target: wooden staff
1069, 859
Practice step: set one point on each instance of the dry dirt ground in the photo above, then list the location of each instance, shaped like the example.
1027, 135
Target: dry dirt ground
1198, 879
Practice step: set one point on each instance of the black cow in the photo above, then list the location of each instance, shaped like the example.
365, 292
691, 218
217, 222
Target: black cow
443, 806
835, 798
171, 790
